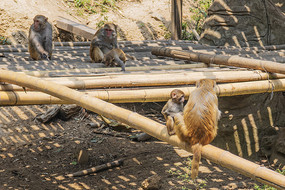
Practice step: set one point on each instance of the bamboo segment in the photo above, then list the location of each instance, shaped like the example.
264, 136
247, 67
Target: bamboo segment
267, 66
141, 95
132, 80
147, 125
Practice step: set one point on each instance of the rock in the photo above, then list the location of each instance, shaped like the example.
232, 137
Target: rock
243, 23
151, 183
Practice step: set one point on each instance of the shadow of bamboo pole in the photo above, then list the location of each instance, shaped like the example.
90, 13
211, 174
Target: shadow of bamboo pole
157, 130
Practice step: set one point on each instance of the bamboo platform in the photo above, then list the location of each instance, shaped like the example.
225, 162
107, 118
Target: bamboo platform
71, 60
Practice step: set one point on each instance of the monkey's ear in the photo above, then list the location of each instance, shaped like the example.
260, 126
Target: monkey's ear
115, 27
46, 19
198, 83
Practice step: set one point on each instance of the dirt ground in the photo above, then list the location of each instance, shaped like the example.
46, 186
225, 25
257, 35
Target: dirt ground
36, 156
39, 156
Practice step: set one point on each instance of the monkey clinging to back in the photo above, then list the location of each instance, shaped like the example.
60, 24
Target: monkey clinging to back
40, 38
173, 106
198, 127
104, 40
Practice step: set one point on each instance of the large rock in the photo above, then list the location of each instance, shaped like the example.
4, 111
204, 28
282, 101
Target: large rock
244, 23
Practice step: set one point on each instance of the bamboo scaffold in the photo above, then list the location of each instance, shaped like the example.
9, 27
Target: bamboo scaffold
237, 61
147, 125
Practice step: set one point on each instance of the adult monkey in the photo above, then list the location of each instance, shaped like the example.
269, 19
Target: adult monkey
199, 123
104, 40
40, 38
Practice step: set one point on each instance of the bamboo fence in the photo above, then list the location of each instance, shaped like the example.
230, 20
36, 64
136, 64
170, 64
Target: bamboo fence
149, 126
267, 66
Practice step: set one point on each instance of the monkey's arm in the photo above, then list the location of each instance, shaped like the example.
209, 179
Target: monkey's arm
38, 46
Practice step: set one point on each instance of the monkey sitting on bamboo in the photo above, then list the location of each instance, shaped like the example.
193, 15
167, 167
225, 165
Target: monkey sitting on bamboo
197, 126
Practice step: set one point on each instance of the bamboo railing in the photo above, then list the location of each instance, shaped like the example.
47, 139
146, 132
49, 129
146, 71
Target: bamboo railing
167, 79
149, 126
268, 66
142, 94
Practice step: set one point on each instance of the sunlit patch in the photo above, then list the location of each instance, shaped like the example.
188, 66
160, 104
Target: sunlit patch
10, 155
34, 127
20, 113
124, 178
42, 135
106, 181
159, 158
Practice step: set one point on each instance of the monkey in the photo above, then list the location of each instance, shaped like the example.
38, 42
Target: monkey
173, 106
115, 56
40, 38
104, 40
198, 126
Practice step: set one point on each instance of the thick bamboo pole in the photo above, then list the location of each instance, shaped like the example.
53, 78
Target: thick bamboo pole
167, 79
149, 126
268, 66
142, 95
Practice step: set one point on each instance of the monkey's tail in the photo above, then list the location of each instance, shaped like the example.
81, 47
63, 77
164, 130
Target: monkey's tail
130, 57
197, 149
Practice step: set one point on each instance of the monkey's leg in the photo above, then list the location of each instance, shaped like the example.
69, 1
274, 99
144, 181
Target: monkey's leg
120, 62
169, 125
96, 54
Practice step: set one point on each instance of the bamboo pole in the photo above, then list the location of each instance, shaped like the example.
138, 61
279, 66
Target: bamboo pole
167, 79
52, 73
141, 95
149, 126
267, 66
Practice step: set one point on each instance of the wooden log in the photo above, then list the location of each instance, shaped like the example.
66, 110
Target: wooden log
176, 19
131, 95
159, 131
136, 80
267, 66
75, 28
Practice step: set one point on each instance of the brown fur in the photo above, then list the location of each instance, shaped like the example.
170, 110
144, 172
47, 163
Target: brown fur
115, 57
200, 119
172, 107
40, 38
104, 40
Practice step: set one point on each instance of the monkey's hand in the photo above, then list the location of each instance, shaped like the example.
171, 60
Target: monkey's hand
45, 56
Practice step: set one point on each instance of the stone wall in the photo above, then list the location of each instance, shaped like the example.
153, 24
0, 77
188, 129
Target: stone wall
244, 23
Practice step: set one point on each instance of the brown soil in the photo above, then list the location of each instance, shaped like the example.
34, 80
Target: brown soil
39, 156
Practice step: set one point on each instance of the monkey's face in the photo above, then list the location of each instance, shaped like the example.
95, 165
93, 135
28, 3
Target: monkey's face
178, 97
110, 31
39, 23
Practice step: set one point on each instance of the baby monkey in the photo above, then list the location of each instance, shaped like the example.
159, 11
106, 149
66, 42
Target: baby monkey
115, 57
198, 126
172, 107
